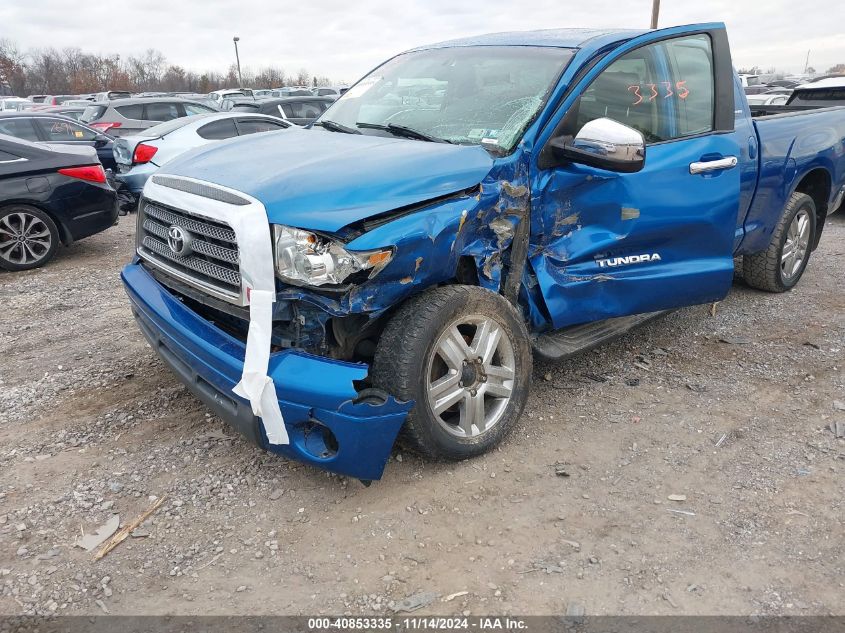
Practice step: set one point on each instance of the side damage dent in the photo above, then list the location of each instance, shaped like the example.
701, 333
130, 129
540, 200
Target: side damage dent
482, 225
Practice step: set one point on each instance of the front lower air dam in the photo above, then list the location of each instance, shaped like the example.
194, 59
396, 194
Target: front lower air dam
327, 426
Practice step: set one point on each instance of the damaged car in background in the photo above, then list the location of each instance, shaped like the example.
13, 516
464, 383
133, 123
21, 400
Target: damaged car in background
462, 207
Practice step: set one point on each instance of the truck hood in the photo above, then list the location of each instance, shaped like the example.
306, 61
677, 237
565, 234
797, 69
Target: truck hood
323, 181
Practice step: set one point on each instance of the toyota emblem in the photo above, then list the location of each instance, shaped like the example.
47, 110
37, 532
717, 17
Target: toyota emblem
179, 241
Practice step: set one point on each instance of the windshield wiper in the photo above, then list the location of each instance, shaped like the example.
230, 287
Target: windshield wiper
401, 130
337, 127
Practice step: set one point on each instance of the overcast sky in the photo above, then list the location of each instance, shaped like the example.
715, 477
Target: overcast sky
344, 39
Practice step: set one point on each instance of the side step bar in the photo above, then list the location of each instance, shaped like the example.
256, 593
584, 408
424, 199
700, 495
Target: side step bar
572, 340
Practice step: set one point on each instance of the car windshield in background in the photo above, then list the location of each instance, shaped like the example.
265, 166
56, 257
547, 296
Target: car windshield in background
819, 97
469, 95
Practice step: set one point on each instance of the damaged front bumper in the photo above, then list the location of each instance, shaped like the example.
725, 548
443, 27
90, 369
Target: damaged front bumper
329, 423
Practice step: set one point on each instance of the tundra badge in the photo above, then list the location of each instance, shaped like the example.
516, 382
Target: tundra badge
628, 259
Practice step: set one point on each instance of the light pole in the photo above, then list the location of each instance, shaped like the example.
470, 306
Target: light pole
236, 39
655, 11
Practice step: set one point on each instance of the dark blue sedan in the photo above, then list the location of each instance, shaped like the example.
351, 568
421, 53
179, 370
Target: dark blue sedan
49, 195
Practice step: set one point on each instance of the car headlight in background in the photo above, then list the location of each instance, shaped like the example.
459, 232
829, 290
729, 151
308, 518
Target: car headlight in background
303, 258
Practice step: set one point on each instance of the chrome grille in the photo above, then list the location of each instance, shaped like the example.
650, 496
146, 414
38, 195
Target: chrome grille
205, 248
212, 263
194, 225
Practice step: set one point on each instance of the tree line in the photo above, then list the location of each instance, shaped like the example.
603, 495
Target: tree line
71, 71
838, 69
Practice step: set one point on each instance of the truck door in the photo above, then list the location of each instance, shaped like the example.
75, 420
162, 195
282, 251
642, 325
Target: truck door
606, 243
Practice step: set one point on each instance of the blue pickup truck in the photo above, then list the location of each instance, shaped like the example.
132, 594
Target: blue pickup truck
391, 271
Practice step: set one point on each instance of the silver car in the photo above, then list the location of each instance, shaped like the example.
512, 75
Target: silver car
124, 117
138, 157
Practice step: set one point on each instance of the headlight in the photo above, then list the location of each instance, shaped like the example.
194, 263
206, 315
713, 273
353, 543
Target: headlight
303, 258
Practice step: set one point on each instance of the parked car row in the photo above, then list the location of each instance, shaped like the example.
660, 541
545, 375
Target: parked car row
332, 92
62, 180
217, 100
780, 91
127, 116
823, 93
156, 128
124, 117
296, 110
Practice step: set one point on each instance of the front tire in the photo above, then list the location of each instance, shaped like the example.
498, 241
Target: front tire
28, 237
462, 354
780, 266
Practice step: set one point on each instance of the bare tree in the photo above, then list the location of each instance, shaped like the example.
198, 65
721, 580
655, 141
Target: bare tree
72, 71
12, 68
302, 78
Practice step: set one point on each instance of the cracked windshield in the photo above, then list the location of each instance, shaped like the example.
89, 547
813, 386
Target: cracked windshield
469, 95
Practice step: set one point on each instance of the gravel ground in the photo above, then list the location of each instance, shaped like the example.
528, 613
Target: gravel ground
687, 468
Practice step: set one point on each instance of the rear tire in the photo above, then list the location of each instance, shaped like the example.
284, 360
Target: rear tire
781, 265
28, 237
462, 354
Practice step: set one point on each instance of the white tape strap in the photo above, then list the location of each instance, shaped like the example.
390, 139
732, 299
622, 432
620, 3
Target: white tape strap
255, 249
255, 385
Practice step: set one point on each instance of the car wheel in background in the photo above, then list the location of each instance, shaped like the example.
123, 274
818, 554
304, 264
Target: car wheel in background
28, 237
780, 266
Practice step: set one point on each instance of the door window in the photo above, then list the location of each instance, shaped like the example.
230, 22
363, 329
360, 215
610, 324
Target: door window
303, 109
161, 111
251, 126
57, 130
134, 111
224, 128
665, 90
19, 128
194, 108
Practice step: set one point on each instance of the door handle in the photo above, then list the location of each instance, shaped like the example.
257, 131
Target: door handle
707, 166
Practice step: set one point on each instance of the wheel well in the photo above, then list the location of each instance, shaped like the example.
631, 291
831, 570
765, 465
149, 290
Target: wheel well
64, 233
817, 184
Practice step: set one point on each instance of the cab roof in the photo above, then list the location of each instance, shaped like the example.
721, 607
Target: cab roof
555, 38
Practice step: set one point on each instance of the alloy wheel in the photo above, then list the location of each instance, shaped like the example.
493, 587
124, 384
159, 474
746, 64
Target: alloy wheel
795, 247
470, 377
24, 238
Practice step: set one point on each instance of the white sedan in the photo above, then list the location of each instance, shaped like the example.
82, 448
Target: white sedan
139, 156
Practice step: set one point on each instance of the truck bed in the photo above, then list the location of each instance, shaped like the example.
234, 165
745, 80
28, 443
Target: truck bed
793, 144
759, 111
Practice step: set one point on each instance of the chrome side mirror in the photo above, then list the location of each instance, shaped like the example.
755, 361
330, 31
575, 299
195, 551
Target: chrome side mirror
606, 144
